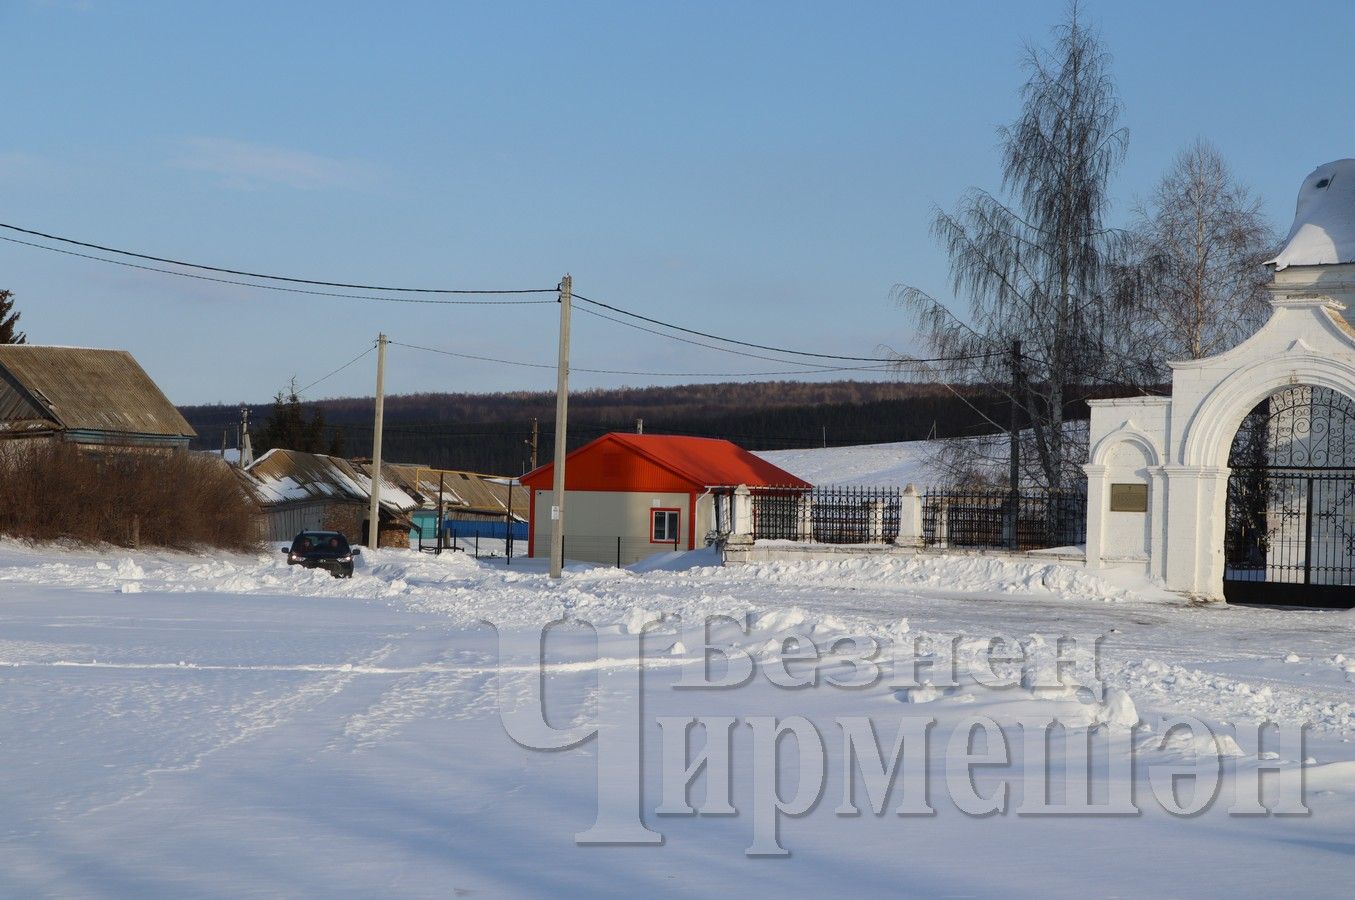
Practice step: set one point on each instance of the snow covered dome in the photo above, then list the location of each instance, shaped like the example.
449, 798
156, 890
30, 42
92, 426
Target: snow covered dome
1324, 222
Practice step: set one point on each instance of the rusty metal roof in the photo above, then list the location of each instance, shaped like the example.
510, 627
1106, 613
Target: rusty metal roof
469, 491
81, 389
284, 476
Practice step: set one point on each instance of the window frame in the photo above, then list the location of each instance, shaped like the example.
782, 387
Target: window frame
676, 521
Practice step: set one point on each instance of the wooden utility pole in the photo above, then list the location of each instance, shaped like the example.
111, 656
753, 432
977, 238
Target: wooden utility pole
557, 510
1014, 423
441, 509
536, 435
639, 426
246, 447
1014, 451
374, 510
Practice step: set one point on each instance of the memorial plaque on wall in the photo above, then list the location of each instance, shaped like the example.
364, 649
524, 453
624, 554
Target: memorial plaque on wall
1129, 498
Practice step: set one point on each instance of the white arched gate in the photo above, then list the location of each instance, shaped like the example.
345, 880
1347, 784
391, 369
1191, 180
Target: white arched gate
1241, 484
1290, 522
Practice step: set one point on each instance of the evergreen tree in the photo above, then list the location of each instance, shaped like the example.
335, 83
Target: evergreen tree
289, 428
9, 321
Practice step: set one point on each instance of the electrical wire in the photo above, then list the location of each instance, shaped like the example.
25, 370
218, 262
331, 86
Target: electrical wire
336, 371
744, 353
551, 366
277, 287
206, 268
741, 343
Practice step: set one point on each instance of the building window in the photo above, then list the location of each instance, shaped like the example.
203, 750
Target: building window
664, 527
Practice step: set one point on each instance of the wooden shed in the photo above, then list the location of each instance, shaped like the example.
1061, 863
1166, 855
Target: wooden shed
313, 492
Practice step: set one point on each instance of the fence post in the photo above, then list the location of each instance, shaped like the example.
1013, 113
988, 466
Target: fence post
477, 543
875, 521
910, 518
942, 521
618, 551
804, 525
741, 516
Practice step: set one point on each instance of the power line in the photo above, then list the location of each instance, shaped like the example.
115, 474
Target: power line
338, 370
744, 353
741, 343
511, 362
190, 265
275, 287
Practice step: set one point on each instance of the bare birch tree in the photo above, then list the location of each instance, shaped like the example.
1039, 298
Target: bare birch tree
1034, 260
1198, 246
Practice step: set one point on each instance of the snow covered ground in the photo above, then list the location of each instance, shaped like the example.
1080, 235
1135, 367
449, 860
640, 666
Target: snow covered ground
897, 464
216, 726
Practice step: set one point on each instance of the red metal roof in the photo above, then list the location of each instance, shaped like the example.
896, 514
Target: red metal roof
620, 462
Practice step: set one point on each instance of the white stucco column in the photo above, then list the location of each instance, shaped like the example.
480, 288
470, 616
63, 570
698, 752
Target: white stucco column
910, 518
805, 523
741, 514
1196, 497
875, 521
1097, 486
1157, 509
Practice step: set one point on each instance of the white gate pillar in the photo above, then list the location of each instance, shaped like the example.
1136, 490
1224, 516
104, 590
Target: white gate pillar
1097, 502
1196, 500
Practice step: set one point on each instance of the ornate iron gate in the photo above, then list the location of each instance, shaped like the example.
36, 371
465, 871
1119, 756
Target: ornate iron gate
1290, 535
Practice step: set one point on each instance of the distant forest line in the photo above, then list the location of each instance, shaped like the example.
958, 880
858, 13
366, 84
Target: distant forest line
491, 432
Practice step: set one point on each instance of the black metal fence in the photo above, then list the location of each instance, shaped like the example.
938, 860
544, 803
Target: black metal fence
1028, 520
1290, 536
827, 515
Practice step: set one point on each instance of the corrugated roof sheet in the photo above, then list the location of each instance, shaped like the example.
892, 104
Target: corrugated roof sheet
94, 390
283, 476
469, 491
705, 462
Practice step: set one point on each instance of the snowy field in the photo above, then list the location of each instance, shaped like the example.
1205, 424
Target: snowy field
181, 726
875, 465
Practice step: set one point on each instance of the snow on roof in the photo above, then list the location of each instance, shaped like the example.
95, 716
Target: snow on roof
1324, 219
284, 476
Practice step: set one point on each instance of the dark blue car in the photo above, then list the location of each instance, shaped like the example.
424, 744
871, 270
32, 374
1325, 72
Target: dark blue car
327, 550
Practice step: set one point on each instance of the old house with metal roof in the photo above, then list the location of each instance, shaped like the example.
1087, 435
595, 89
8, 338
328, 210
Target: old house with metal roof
472, 503
95, 398
313, 492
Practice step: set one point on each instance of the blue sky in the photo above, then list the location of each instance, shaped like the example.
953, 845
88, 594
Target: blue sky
762, 170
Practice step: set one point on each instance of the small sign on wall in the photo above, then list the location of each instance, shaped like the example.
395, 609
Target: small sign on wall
1129, 498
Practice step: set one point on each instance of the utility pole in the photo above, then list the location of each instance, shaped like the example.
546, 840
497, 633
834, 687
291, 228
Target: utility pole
557, 510
536, 434
639, 426
374, 510
1014, 438
246, 448
1013, 424
441, 510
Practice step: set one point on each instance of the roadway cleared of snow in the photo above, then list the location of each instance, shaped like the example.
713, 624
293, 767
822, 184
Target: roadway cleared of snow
184, 726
